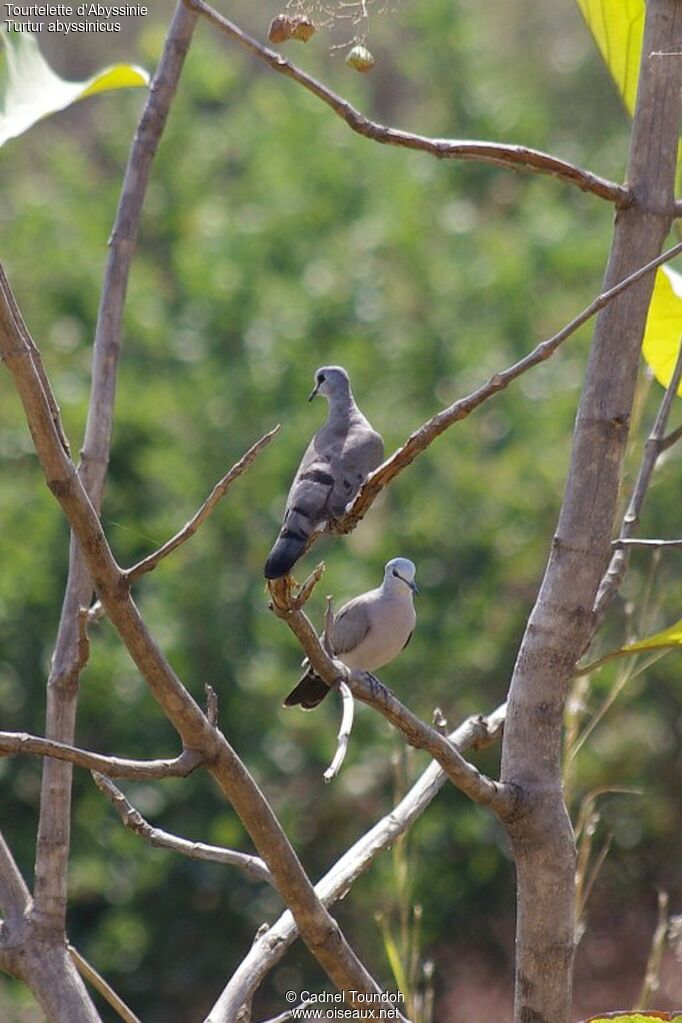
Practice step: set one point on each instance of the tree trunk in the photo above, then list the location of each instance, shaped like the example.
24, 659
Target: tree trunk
562, 620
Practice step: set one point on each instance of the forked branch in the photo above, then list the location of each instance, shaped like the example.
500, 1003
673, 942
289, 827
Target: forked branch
320, 932
18, 743
654, 447
252, 866
503, 800
271, 946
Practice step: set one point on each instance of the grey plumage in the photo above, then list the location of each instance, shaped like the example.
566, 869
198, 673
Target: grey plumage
368, 631
337, 461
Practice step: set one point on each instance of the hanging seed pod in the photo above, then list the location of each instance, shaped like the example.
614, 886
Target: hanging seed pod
360, 58
303, 28
285, 26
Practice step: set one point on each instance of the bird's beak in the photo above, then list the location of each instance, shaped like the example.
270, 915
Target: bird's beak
313, 392
412, 585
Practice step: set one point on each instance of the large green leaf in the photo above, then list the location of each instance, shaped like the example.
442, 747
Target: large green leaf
31, 90
618, 28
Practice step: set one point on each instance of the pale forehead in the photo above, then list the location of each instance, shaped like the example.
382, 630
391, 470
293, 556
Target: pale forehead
403, 565
331, 370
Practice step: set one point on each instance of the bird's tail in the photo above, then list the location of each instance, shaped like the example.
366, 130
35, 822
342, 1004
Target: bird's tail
288, 548
310, 691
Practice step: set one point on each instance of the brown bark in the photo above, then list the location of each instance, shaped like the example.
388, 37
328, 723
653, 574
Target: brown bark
562, 620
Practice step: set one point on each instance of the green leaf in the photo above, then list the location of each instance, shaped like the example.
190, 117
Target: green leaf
664, 326
31, 90
618, 29
666, 638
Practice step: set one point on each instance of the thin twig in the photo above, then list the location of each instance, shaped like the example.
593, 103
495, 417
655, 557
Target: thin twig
344, 732
626, 541
652, 976
671, 439
516, 157
89, 973
252, 866
272, 943
618, 565
328, 642
303, 595
18, 743
289, 1014
421, 438
211, 704
219, 491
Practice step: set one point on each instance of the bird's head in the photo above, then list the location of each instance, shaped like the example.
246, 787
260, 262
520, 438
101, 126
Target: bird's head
400, 572
331, 381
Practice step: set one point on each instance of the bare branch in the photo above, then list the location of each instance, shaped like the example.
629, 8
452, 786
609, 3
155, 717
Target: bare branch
219, 491
503, 800
656, 443
344, 732
320, 932
516, 157
271, 945
426, 434
96, 980
304, 594
62, 690
252, 866
16, 743
15, 897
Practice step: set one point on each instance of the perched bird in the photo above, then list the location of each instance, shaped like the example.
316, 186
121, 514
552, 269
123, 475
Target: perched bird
337, 461
368, 631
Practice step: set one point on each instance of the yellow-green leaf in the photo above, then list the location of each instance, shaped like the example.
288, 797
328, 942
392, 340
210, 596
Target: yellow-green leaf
31, 90
618, 29
667, 638
635, 1017
664, 326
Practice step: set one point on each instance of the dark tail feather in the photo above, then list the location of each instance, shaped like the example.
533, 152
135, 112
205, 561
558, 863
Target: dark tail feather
310, 691
283, 556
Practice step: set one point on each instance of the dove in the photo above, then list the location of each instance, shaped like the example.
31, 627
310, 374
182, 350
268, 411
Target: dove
368, 631
337, 461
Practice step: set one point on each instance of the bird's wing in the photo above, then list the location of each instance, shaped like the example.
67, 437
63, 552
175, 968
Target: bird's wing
362, 452
351, 625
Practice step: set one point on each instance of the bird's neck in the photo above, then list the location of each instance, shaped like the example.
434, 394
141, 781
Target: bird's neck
342, 407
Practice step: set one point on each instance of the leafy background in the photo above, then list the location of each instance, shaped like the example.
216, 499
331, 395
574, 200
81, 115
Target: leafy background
274, 241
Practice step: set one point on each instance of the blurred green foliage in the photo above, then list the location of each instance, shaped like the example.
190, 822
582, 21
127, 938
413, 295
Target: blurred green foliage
274, 241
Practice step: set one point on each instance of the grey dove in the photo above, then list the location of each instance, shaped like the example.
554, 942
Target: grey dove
368, 631
337, 461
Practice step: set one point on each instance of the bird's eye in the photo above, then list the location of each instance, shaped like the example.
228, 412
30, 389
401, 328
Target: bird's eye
320, 379
395, 572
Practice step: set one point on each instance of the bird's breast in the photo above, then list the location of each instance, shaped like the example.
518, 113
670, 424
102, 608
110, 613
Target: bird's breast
391, 624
